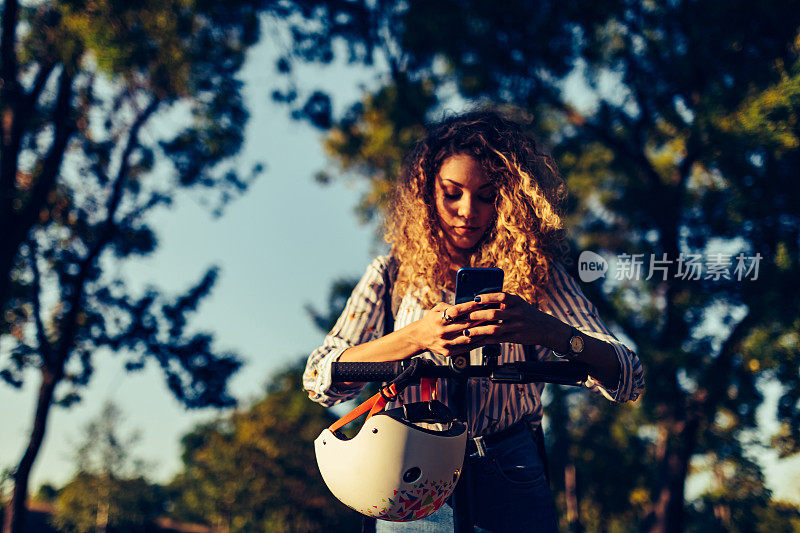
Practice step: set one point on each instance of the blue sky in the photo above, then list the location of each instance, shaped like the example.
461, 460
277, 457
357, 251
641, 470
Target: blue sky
279, 248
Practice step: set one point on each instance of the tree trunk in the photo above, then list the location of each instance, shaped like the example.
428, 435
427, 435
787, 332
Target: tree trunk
669, 506
14, 521
103, 504
571, 497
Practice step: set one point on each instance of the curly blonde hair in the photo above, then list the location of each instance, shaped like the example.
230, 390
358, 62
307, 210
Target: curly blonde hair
527, 233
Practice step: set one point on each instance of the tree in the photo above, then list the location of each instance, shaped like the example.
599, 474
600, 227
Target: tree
88, 150
255, 469
686, 144
108, 491
92, 503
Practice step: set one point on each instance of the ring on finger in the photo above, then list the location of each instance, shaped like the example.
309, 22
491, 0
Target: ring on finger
447, 319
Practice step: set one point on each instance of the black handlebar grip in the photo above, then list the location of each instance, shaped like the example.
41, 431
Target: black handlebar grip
383, 371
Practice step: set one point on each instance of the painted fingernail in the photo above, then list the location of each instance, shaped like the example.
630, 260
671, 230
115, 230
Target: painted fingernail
478, 299
466, 333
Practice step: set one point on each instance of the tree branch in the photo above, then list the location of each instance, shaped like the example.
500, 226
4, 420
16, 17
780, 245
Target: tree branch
26, 105
611, 140
45, 347
722, 366
8, 55
637, 74
70, 324
29, 102
42, 75
64, 127
16, 118
685, 168
9, 92
20, 223
9, 95
669, 234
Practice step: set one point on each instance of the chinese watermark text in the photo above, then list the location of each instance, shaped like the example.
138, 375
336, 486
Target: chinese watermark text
687, 266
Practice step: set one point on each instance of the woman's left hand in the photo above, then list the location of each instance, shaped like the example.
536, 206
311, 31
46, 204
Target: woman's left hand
515, 321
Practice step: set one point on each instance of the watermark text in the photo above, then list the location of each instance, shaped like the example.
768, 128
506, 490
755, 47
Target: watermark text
713, 267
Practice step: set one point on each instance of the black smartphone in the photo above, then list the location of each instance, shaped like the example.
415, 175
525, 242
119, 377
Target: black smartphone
472, 281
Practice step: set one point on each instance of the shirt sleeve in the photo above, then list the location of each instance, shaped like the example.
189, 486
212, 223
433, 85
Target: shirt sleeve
567, 302
360, 322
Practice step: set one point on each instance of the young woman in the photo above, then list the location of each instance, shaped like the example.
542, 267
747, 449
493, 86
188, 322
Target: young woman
477, 192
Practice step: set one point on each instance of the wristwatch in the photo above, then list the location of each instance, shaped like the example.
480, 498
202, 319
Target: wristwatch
576, 344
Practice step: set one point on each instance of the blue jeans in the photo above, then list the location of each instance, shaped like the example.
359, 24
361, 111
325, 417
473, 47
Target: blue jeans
509, 493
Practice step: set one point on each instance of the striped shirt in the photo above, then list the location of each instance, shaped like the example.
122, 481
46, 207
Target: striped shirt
491, 407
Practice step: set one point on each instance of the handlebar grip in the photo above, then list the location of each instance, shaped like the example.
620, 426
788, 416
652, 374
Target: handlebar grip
382, 371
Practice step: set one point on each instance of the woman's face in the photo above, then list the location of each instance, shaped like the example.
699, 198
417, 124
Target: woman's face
464, 202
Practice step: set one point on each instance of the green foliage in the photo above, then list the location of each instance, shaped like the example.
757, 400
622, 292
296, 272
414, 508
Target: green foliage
123, 505
103, 450
374, 138
108, 489
255, 470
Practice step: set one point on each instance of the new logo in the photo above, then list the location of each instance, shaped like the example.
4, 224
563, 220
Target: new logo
591, 266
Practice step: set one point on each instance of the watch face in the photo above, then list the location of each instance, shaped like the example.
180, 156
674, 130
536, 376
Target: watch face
576, 344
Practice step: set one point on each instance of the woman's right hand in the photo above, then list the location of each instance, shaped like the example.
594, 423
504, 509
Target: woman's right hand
431, 332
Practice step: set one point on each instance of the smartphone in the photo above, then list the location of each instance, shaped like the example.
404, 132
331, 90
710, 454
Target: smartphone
472, 281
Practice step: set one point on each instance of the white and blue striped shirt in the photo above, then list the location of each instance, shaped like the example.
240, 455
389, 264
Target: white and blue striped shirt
491, 407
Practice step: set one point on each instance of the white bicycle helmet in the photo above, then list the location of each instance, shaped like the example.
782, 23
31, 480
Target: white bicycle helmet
395, 468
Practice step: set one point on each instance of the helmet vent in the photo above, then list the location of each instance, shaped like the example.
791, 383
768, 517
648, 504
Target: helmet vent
412, 474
